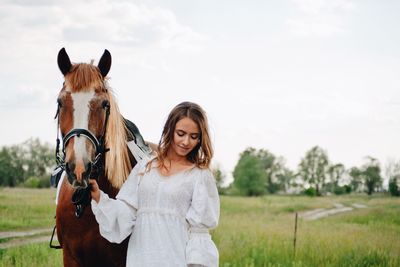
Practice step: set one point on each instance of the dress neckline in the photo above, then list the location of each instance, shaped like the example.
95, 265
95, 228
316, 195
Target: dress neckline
169, 177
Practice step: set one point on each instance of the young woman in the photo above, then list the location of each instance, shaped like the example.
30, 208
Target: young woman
168, 203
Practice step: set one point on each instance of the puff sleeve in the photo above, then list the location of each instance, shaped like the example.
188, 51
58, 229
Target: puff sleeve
116, 217
203, 215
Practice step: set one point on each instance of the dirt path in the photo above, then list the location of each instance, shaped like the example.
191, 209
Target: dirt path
321, 213
24, 241
18, 238
24, 233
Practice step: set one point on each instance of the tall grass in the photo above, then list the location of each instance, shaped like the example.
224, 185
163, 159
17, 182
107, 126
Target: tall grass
23, 208
31, 255
260, 231
252, 231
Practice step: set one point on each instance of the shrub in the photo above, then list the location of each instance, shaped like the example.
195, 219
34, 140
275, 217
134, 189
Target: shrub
310, 192
340, 190
37, 182
44, 182
32, 182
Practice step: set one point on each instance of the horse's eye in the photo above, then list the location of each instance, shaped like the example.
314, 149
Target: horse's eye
105, 104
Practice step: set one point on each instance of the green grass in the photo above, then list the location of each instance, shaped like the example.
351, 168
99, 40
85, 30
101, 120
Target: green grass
22, 208
31, 255
252, 231
259, 232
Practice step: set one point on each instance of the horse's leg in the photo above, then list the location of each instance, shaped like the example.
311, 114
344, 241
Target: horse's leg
68, 260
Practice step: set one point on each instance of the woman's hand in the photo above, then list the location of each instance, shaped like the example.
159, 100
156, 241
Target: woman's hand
94, 190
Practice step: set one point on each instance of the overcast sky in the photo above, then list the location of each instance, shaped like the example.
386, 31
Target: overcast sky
281, 75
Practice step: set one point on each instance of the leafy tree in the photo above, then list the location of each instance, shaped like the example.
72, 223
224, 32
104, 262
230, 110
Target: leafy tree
369, 176
285, 178
357, 179
392, 170
29, 159
394, 188
11, 166
313, 168
249, 174
335, 174
372, 175
38, 158
219, 179
274, 167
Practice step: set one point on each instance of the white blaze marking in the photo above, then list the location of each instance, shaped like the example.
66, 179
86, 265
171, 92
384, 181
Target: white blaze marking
81, 121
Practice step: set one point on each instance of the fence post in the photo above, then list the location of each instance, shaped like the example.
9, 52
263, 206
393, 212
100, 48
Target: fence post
295, 237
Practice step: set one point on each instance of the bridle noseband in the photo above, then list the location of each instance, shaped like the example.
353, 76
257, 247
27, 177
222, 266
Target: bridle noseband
81, 197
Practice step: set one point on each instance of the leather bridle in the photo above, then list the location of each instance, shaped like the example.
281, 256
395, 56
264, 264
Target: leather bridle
81, 197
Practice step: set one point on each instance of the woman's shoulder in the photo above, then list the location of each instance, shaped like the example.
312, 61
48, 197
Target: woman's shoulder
204, 170
203, 174
147, 162
205, 182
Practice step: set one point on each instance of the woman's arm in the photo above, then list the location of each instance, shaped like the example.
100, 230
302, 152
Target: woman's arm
116, 217
203, 215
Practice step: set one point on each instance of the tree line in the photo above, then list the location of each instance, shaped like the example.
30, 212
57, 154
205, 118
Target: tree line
260, 172
257, 172
27, 164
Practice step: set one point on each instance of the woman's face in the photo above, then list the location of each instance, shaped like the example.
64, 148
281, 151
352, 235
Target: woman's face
186, 136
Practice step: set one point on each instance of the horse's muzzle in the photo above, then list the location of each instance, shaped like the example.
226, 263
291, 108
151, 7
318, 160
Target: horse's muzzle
78, 177
83, 185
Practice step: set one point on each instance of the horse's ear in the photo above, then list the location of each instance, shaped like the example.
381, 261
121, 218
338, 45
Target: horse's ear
63, 61
105, 63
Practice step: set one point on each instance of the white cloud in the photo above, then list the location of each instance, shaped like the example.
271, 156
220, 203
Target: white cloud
319, 17
33, 32
106, 21
318, 7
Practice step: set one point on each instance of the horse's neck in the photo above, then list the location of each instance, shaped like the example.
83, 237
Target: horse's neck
106, 187
104, 183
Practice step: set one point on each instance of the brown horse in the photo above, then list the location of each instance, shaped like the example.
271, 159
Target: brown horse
94, 145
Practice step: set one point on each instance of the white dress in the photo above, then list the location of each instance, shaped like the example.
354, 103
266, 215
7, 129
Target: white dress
168, 217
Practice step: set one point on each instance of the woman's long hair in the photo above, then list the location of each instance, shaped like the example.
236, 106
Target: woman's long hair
202, 153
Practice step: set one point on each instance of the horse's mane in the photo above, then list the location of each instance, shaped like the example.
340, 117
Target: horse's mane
84, 77
118, 165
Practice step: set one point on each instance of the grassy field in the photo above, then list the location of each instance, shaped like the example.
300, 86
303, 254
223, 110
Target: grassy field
23, 209
252, 231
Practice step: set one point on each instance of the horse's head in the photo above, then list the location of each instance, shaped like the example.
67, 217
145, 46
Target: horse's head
83, 106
